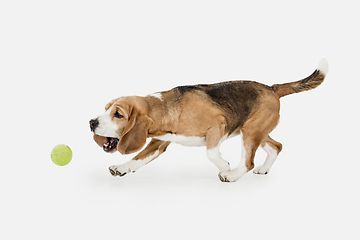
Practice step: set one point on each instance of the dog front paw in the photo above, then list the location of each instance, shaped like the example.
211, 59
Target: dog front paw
261, 170
223, 177
119, 170
233, 175
227, 176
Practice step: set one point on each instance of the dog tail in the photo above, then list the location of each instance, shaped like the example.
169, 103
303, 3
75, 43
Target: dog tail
311, 82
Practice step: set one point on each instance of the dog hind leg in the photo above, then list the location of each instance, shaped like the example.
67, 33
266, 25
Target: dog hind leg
272, 148
249, 147
253, 133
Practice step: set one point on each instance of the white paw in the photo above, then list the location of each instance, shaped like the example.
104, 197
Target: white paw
261, 170
233, 175
130, 166
119, 170
228, 176
223, 176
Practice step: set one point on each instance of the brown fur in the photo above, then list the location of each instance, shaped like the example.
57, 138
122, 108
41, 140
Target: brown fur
100, 140
133, 132
191, 113
305, 84
194, 113
204, 111
151, 148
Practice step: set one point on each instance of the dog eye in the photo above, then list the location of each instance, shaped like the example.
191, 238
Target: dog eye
118, 115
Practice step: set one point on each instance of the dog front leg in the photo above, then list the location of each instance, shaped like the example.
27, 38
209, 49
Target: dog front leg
213, 141
154, 149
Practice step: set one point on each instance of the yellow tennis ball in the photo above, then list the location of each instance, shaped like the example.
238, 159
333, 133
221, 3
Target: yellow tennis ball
61, 155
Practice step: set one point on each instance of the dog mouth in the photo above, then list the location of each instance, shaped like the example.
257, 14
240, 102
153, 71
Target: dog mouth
111, 145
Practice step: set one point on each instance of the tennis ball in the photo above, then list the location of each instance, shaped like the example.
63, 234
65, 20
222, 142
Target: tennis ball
61, 155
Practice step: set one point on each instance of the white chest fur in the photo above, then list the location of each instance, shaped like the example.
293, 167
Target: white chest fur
183, 140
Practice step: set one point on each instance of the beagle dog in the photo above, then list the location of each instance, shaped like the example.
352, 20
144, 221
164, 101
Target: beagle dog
199, 115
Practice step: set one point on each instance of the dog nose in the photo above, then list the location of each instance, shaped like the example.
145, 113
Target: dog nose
93, 124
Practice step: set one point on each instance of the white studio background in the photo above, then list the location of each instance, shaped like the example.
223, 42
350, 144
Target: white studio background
62, 61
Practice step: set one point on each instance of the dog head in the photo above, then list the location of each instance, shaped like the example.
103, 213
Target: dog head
123, 126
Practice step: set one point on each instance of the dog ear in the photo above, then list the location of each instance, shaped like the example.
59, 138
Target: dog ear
100, 140
135, 133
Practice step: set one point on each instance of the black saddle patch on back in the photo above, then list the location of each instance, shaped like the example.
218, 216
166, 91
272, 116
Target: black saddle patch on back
237, 99
189, 88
